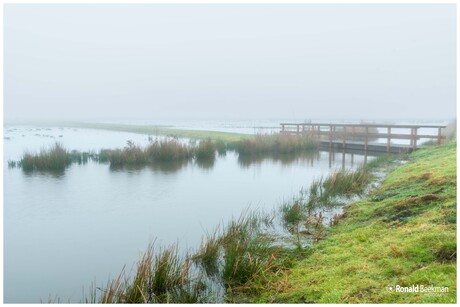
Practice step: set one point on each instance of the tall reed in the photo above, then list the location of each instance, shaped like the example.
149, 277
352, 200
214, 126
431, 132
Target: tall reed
206, 150
275, 143
168, 150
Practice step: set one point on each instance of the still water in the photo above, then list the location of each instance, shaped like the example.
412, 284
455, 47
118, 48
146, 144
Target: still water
64, 231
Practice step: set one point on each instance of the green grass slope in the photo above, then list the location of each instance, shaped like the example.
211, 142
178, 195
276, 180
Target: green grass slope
403, 234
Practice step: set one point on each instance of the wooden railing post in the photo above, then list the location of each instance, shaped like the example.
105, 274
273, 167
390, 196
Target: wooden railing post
439, 136
330, 136
282, 128
344, 134
388, 138
367, 138
411, 137
415, 139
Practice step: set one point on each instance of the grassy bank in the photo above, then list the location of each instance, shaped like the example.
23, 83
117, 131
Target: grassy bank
403, 234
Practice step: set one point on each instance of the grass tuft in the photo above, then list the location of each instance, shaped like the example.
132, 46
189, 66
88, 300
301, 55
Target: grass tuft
56, 158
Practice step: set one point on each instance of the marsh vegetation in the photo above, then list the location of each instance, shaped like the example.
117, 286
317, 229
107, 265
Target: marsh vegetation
168, 150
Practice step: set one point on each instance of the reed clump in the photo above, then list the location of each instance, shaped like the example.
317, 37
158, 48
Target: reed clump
158, 151
129, 155
168, 151
206, 150
275, 143
56, 158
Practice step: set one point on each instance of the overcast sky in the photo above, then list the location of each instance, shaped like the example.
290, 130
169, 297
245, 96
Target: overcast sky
229, 61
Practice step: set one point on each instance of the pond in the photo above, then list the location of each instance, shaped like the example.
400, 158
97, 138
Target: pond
64, 231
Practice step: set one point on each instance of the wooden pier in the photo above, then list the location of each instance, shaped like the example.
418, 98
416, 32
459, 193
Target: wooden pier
364, 137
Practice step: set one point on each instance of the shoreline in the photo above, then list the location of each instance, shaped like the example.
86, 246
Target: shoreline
402, 234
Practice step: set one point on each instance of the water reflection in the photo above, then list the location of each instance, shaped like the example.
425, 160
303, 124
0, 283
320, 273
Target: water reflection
170, 167
349, 156
205, 164
246, 161
49, 173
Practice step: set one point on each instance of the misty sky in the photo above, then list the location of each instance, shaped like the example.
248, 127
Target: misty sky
229, 61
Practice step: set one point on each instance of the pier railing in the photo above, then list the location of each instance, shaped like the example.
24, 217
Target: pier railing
346, 133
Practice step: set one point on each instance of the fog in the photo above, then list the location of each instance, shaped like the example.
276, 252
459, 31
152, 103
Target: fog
229, 61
